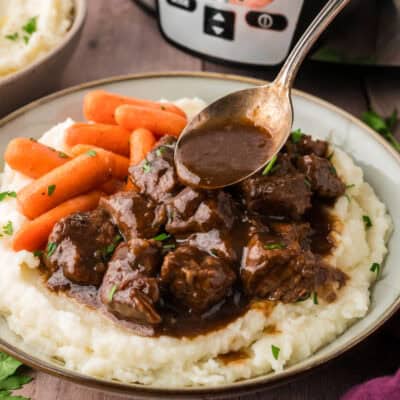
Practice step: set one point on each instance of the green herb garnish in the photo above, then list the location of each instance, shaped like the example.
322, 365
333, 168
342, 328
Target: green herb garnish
169, 246
91, 153
375, 267
367, 221
270, 165
109, 250
275, 351
3, 195
51, 189
384, 126
307, 182
62, 154
13, 36
31, 26
330, 156
161, 237
112, 292
37, 253
350, 186
147, 166
333, 170
315, 298
26, 39
8, 228
275, 246
296, 136
51, 248
160, 151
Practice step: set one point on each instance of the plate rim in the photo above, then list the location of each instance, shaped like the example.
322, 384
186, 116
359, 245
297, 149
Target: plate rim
266, 381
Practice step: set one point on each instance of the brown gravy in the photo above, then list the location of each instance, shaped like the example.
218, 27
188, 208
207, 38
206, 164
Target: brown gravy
221, 153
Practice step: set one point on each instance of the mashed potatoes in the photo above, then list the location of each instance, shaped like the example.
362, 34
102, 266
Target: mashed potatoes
87, 342
29, 29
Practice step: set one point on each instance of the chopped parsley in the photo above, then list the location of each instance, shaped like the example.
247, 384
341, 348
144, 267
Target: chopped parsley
112, 292
270, 165
275, 246
91, 153
147, 166
296, 136
333, 170
275, 351
330, 156
160, 151
109, 250
62, 154
307, 182
26, 39
13, 37
315, 298
4, 195
8, 228
350, 186
31, 26
367, 221
375, 267
161, 237
37, 253
51, 189
384, 126
169, 246
347, 197
51, 248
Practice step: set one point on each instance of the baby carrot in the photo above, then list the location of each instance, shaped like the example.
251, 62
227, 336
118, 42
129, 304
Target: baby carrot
157, 121
31, 158
79, 175
120, 164
99, 106
109, 137
34, 234
141, 142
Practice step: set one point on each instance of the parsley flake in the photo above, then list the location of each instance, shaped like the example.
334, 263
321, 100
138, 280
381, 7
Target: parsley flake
330, 156
367, 221
37, 253
51, 189
8, 228
31, 26
307, 182
147, 166
315, 298
62, 154
375, 267
112, 292
161, 237
26, 39
4, 195
109, 250
275, 246
296, 136
169, 246
160, 151
13, 37
275, 351
350, 186
51, 248
91, 153
270, 165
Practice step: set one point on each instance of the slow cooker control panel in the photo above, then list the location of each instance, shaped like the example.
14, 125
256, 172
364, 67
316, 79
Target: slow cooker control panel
247, 31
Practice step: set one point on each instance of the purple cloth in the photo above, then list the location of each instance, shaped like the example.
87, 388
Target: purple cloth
384, 388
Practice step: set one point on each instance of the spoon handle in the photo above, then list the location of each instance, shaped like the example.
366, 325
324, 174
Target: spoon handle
292, 64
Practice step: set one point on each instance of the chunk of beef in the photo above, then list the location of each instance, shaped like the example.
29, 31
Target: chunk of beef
216, 243
130, 289
307, 145
322, 176
135, 215
195, 279
278, 269
199, 211
287, 196
78, 244
155, 176
294, 232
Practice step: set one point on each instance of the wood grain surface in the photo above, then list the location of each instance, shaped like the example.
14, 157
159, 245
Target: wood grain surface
121, 38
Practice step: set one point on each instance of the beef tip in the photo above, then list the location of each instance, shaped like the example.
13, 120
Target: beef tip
322, 176
287, 196
216, 243
278, 269
297, 232
155, 176
199, 211
307, 145
196, 279
78, 244
135, 215
130, 289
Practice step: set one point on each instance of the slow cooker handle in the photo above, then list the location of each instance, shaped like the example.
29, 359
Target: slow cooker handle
291, 66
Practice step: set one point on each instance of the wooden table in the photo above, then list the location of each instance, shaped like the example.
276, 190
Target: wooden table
120, 38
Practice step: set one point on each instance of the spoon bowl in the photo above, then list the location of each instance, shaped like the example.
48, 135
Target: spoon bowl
227, 154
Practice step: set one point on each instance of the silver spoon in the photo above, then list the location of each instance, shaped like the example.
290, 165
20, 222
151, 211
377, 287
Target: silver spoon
268, 106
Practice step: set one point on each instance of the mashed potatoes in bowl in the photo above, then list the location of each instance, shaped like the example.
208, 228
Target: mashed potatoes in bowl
262, 340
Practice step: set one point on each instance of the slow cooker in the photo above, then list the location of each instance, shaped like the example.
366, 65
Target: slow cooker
261, 32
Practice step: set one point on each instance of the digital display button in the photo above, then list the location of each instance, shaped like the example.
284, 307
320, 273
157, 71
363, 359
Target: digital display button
263, 20
188, 5
219, 23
